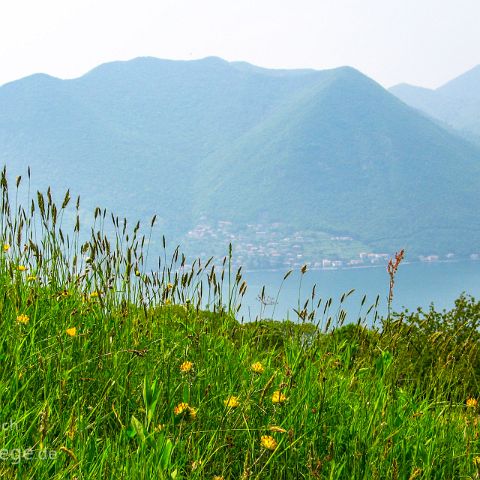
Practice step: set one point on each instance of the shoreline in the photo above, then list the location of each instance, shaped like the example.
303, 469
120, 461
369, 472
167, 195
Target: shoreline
358, 267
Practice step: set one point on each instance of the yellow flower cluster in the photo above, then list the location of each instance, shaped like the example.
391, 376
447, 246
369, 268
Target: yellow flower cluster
23, 318
21, 268
231, 402
186, 367
6, 247
71, 332
278, 397
268, 442
257, 367
185, 409
472, 402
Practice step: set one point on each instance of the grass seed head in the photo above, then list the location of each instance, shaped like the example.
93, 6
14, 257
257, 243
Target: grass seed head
274, 428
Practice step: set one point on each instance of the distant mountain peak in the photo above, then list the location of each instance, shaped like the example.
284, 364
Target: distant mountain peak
455, 105
466, 85
35, 78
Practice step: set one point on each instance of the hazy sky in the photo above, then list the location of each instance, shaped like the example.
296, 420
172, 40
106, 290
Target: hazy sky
424, 42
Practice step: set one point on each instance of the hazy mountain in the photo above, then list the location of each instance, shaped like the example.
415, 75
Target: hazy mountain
466, 85
456, 104
286, 156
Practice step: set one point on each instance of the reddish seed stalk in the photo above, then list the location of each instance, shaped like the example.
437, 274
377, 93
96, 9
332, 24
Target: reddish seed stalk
392, 270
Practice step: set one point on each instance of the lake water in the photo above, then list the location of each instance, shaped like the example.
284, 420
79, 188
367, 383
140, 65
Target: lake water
417, 285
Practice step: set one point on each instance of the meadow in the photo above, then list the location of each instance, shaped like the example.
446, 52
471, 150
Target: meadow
113, 371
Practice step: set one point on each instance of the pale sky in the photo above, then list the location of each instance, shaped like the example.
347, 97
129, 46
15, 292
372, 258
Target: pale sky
424, 42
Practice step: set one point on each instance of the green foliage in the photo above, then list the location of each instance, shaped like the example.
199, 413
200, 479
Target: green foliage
108, 371
434, 349
274, 335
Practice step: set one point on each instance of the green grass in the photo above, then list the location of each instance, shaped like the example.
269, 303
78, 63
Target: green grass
380, 402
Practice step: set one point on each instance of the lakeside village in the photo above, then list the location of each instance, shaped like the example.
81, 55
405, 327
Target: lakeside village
274, 246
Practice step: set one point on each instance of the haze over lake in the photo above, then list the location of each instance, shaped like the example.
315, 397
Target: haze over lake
417, 285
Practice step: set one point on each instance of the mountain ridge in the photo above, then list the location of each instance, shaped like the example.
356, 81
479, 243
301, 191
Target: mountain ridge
324, 152
456, 103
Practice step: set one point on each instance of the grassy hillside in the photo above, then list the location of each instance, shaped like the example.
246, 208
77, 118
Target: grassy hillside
110, 371
347, 157
198, 142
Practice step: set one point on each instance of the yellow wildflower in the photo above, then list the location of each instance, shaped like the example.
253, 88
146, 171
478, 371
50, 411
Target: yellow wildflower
21, 268
476, 461
257, 367
218, 477
94, 294
71, 331
180, 408
185, 367
274, 428
278, 397
268, 442
185, 409
23, 318
31, 278
231, 402
169, 286
167, 301
6, 247
472, 402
